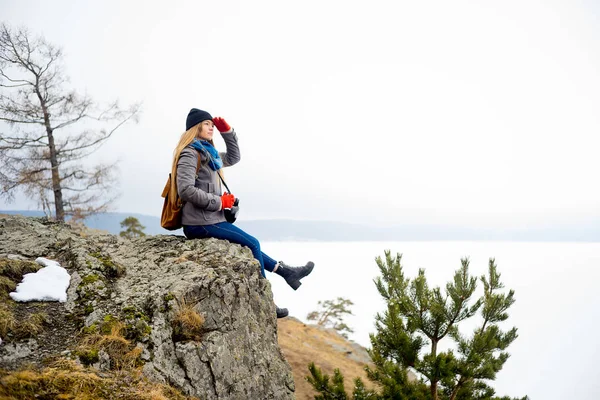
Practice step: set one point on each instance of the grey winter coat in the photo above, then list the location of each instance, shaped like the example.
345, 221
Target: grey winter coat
201, 193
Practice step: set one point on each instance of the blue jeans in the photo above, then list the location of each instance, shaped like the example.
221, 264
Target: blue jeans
227, 231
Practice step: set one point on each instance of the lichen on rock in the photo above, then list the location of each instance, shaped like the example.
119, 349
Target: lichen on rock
144, 284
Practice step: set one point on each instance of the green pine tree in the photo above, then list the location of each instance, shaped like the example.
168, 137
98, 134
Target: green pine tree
133, 228
332, 313
417, 319
333, 388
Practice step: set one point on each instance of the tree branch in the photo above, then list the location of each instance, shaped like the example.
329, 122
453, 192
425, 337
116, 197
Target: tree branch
24, 82
19, 143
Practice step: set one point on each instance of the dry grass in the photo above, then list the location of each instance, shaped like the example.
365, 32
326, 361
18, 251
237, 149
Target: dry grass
7, 285
187, 323
7, 321
123, 355
67, 380
302, 344
180, 259
11, 273
15, 269
29, 327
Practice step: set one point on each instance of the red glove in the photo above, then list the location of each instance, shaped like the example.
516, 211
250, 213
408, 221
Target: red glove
221, 124
227, 201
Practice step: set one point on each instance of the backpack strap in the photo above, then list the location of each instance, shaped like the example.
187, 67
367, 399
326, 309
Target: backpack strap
199, 163
171, 181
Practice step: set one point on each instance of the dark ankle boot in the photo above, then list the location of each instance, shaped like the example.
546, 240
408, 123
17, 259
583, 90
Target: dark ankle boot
281, 312
292, 275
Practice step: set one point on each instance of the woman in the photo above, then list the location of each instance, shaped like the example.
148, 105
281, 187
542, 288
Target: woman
203, 214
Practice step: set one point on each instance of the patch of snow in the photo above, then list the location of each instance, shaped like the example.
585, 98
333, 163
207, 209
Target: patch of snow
48, 284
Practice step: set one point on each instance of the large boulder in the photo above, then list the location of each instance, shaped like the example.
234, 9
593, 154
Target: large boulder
146, 284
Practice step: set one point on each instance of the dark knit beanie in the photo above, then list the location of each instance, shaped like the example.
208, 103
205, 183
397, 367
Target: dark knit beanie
196, 116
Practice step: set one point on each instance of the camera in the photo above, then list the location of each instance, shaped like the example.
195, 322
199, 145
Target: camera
231, 213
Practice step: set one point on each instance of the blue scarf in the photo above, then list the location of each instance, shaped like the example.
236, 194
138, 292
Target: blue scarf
214, 159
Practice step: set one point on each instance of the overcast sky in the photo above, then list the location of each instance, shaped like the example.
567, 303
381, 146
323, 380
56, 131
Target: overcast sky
484, 113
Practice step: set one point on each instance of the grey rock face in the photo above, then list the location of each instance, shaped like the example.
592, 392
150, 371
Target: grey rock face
145, 282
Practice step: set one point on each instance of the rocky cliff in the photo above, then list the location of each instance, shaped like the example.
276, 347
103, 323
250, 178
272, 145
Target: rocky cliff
194, 315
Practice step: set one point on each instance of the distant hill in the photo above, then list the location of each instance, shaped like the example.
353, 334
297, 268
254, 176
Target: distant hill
293, 230
302, 344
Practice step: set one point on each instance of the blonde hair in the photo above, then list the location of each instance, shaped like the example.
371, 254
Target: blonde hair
186, 138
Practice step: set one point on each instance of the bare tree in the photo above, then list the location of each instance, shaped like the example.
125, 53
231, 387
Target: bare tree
52, 130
